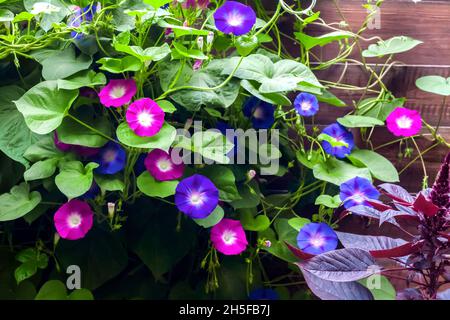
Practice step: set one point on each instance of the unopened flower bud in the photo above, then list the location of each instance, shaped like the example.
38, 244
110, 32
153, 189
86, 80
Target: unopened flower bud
56, 238
200, 43
111, 209
267, 243
197, 65
210, 38
251, 174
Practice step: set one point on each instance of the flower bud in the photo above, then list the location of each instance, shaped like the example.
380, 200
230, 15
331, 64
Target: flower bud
210, 38
111, 209
200, 43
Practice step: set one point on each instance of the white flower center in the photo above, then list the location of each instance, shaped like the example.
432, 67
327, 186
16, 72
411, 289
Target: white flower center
229, 237
145, 119
196, 198
359, 198
164, 165
404, 122
74, 220
235, 19
109, 156
317, 241
258, 113
117, 92
305, 106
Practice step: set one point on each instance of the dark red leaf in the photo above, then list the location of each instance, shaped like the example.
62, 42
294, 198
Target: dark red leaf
425, 206
445, 235
396, 252
379, 206
299, 253
396, 193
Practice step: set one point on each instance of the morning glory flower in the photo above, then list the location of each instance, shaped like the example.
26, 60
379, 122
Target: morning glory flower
260, 113
317, 238
73, 219
161, 166
111, 159
117, 92
79, 15
340, 133
196, 196
145, 117
404, 122
264, 294
228, 237
235, 18
357, 191
306, 104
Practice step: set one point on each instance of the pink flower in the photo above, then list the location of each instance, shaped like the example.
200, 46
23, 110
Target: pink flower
73, 219
404, 122
228, 237
145, 117
161, 166
117, 92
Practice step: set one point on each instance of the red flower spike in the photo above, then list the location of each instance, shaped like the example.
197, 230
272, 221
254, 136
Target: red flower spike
425, 206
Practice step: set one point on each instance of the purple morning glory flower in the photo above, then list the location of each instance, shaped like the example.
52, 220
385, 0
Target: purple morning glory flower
317, 238
80, 15
196, 196
235, 18
306, 104
111, 159
263, 294
357, 191
261, 113
340, 133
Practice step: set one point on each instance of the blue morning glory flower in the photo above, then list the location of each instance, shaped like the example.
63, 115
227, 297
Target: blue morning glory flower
111, 159
317, 238
264, 294
306, 104
340, 133
235, 18
260, 113
81, 14
357, 191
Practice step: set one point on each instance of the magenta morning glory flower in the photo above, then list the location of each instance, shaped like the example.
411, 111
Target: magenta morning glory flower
357, 191
111, 159
145, 117
317, 238
228, 237
73, 219
117, 92
260, 113
306, 104
341, 134
235, 18
404, 122
196, 196
161, 166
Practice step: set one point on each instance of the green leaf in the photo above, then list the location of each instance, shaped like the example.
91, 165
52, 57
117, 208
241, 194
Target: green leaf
309, 159
157, 3
6, 15
332, 140
43, 149
188, 53
298, 223
249, 196
391, 46
71, 132
100, 256
385, 291
15, 137
41, 169
58, 13
329, 98
211, 220
246, 44
352, 121
154, 237
52, 290
328, 201
148, 54
181, 31
207, 77
283, 233
162, 140
371, 107
23, 16
18, 202
337, 171
253, 222
119, 65
311, 42
380, 167
31, 260
434, 84
153, 188
281, 76
44, 106
224, 180
81, 294
86, 78
167, 106
25, 270
74, 179
58, 64
275, 98
109, 183
212, 145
